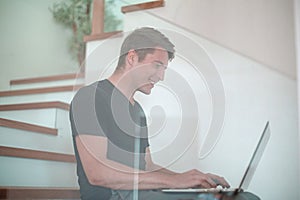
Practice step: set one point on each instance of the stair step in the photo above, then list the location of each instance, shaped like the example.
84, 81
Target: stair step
27, 126
26, 172
41, 117
35, 154
36, 105
47, 79
46, 84
61, 93
50, 81
65, 97
27, 167
40, 90
38, 193
60, 142
41, 113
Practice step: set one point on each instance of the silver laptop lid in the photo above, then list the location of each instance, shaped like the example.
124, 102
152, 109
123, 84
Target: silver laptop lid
256, 156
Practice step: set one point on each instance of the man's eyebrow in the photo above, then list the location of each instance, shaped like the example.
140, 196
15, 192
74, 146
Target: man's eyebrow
158, 61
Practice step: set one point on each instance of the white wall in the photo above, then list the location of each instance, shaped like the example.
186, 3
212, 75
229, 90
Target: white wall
182, 108
32, 44
297, 34
260, 29
254, 94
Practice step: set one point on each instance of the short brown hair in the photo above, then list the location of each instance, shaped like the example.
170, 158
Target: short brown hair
144, 41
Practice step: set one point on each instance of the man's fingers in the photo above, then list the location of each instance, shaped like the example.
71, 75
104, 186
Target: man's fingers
219, 180
207, 182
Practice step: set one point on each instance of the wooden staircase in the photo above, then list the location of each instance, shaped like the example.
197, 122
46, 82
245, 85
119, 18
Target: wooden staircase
26, 141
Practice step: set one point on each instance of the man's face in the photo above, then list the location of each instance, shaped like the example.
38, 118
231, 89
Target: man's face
151, 70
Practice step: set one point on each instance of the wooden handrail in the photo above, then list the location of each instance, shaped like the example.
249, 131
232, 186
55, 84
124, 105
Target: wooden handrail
35, 154
27, 127
98, 17
46, 78
40, 90
10, 192
37, 105
143, 6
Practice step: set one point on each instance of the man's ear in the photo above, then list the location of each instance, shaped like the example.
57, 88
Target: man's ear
131, 58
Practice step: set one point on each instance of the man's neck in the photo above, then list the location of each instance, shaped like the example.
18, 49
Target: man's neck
119, 80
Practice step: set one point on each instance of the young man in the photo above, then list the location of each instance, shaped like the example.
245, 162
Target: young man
110, 129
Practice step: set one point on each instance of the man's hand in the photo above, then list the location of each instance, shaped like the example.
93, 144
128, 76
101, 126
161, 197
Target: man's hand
197, 179
219, 180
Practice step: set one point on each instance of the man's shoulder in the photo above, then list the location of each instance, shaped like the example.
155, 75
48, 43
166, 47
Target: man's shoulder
90, 90
90, 87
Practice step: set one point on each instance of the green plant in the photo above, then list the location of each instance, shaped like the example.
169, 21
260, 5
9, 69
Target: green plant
111, 21
76, 14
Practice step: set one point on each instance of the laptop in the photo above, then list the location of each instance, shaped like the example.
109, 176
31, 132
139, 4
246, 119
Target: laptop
256, 156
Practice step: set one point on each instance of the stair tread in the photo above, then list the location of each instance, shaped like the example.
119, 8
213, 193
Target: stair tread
33, 188
27, 126
40, 90
35, 105
47, 78
16, 192
36, 154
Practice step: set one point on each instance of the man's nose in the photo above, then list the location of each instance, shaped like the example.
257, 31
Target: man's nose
161, 74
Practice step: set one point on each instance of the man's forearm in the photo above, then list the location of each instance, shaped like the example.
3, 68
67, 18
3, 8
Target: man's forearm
161, 169
117, 176
108, 173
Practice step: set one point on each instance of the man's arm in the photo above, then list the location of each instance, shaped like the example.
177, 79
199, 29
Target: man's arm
151, 166
104, 172
107, 173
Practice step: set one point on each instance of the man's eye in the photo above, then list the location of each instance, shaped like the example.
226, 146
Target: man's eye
159, 66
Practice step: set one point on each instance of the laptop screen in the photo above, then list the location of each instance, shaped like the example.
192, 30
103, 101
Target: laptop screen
260, 147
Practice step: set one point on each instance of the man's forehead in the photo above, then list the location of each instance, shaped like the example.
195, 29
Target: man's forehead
160, 55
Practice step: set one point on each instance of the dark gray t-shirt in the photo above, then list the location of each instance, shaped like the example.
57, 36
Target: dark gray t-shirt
100, 109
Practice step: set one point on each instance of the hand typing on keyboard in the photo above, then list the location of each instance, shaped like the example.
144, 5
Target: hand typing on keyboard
197, 179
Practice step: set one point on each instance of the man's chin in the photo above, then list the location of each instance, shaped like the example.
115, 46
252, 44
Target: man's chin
146, 92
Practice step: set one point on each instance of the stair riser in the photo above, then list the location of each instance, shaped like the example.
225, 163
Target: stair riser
38, 173
61, 143
31, 140
65, 97
46, 84
41, 117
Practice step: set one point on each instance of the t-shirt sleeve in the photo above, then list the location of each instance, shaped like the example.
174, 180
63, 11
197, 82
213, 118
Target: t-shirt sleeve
83, 115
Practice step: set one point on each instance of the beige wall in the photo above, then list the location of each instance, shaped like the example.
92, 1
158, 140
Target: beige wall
262, 30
